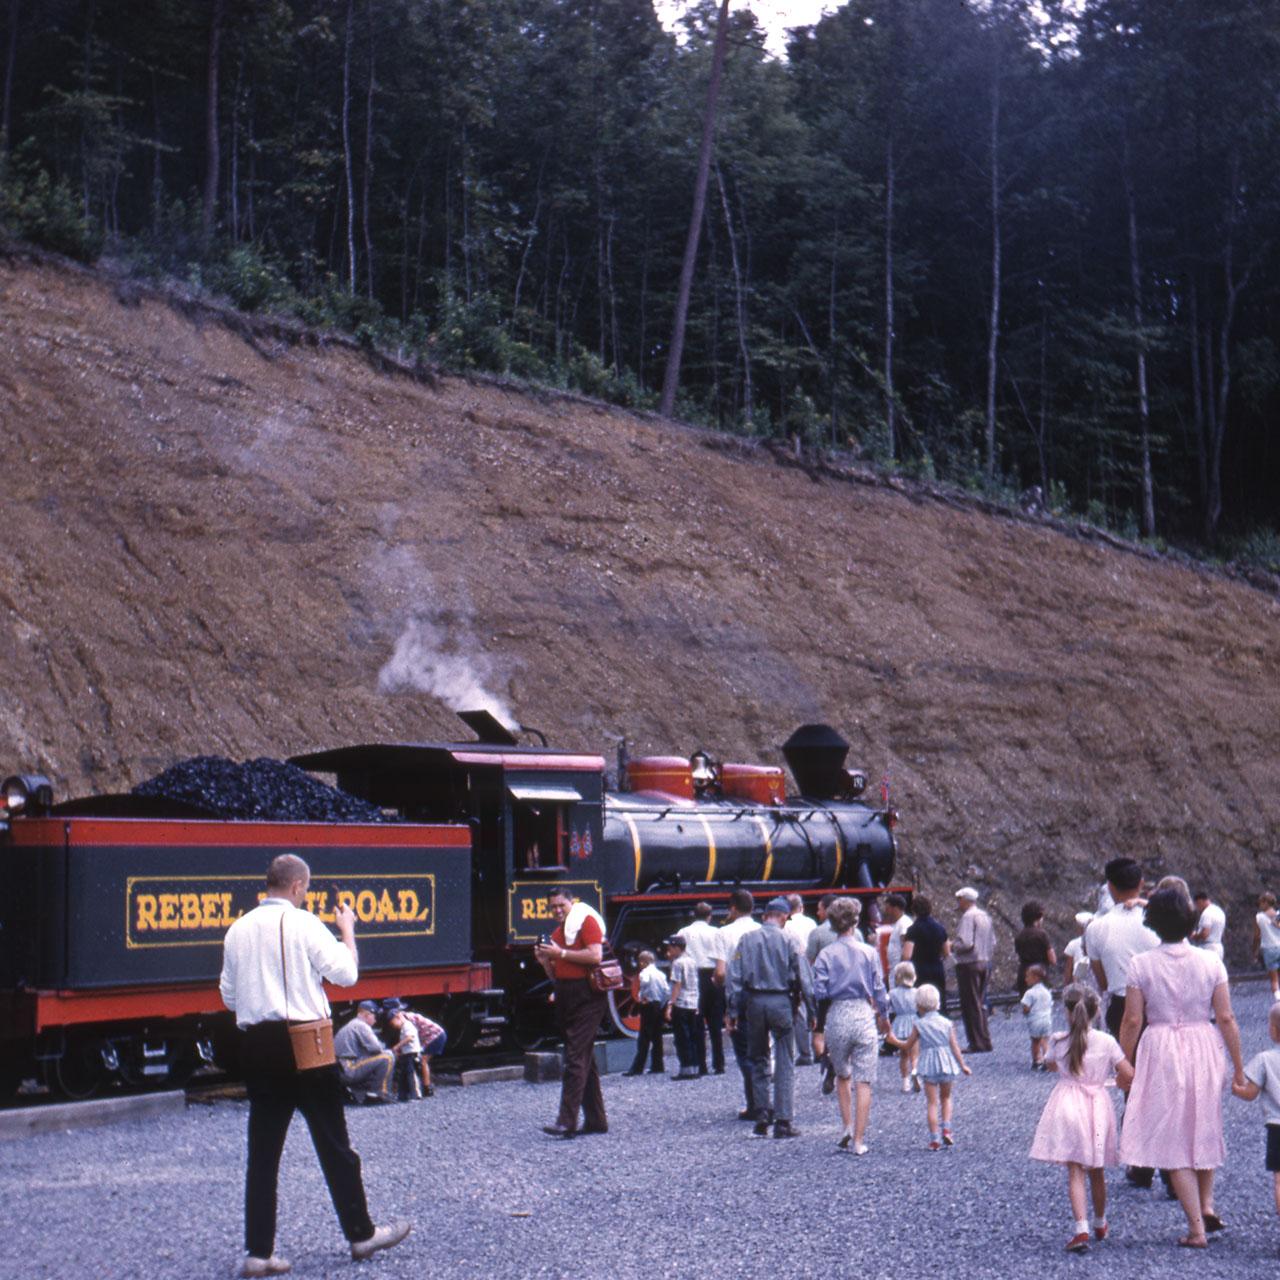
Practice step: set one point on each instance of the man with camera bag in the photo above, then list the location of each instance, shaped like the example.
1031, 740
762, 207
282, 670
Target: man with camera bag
274, 958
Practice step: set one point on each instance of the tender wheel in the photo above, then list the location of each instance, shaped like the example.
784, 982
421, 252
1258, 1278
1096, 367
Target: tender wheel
624, 1008
78, 1073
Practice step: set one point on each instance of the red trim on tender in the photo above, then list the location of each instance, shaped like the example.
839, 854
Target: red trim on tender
758, 892
529, 763
70, 1008
302, 835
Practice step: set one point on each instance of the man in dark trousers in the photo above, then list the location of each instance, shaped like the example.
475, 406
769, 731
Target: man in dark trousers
574, 948
274, 958
973, 946
766, 971
702, 946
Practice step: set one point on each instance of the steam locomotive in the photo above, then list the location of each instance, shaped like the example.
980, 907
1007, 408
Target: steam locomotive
112, 923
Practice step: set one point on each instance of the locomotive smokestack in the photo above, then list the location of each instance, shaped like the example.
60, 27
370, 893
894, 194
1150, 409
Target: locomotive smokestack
815, 755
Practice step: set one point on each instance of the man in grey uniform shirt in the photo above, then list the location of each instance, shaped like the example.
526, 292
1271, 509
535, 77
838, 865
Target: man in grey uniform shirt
973, 947
764, 971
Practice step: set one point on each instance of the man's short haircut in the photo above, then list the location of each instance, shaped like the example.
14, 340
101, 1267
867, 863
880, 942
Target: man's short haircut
826, 900
1124, 873
1200, 895
1031, 912
646, 957
743, 903
286, 869
560, 892
1170, 915
797, 902
921, 906
702, 910
896, 900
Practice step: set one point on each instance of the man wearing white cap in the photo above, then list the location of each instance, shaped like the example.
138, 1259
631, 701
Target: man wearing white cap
973, 946
1077, 957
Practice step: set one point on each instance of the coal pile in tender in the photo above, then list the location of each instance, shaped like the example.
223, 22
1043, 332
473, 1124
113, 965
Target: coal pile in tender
265, 790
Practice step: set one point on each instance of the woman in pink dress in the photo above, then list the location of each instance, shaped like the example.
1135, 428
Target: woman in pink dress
1173, 1119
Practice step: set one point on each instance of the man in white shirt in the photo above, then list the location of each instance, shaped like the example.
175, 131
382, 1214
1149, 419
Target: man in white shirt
1211, 925
895, 916
798, 928
741, 906
1111, 940
702, 946
274, 959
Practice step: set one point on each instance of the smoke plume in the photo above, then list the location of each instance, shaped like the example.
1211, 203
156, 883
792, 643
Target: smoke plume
427, 659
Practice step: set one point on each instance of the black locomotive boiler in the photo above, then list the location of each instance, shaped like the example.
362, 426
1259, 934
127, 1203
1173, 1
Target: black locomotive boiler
115, 906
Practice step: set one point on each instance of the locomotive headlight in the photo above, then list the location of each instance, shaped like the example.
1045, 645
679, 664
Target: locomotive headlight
27, 793
857, 781
702, 769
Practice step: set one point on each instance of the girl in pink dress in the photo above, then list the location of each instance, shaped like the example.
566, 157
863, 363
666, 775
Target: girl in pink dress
1078, 1125
1174, 1117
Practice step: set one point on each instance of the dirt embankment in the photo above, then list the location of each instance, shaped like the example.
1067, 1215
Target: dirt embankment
217, 546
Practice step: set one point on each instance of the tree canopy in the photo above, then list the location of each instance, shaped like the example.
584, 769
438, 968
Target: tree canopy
1009, 244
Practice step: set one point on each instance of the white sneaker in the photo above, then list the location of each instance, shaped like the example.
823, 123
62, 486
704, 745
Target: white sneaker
383, 1238
860, 1149
271, 1266
906, 1084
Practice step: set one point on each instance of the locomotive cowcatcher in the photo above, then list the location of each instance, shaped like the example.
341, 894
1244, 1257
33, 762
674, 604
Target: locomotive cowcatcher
115, 907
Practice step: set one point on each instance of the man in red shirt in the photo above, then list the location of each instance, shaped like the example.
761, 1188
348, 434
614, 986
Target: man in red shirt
575, 947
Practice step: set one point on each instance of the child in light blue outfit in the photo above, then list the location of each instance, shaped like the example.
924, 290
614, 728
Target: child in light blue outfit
1262, 1078
940, 1063
902, 1011
1037, 1008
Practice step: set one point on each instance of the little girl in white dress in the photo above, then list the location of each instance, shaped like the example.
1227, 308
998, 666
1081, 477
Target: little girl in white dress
940, 1063
1078, 1125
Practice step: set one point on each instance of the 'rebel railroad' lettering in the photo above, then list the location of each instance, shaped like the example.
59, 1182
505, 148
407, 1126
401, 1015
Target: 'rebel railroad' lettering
194, 912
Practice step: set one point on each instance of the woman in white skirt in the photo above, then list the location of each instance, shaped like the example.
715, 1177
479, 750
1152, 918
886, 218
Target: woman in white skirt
852, 1007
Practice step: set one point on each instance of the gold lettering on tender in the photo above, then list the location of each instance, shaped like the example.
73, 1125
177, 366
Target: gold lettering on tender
168, 911
408, 909
346, 898
367, 905
190, 907
386, 908
146, 904
210, 910
227, 917
528, 909
323, 912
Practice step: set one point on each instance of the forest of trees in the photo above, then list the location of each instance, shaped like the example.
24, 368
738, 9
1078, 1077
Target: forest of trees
1002, 243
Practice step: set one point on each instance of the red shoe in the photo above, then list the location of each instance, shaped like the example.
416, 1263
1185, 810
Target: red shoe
935, 1145
1100, 1233
947, 1139
1078, 1244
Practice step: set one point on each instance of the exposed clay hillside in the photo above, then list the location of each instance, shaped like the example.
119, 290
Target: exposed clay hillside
213, 546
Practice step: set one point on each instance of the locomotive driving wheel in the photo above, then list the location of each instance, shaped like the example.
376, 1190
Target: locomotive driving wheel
530, 1019
624, 1008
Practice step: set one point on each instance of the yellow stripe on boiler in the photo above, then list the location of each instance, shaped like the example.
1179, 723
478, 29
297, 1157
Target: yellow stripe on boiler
768, 846
711, 848
635, 843
835, 826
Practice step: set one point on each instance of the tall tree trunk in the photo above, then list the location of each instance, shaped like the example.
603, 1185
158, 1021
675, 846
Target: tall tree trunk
890, 400
739, 306
1144, 403
10, 65
347, 162
1197, 389
212, 157
368, 162
993, 336
671, 378
235, 152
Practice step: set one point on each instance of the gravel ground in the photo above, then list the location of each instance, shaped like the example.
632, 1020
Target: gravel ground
677, 1186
